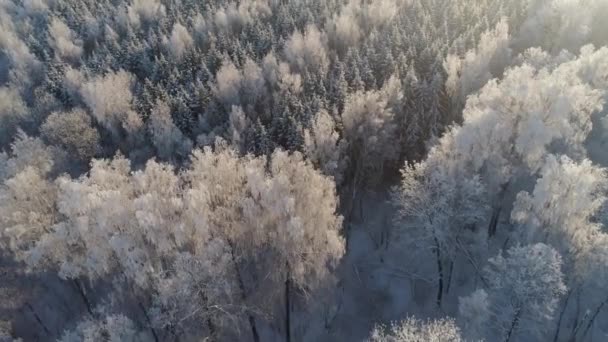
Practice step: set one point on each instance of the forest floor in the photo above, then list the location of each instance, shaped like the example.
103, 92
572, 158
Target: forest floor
373, 286
35, 306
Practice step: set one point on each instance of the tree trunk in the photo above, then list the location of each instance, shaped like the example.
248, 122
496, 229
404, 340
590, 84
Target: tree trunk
330, 320
497, 209
439, 272
355, 182
85, 299
513, 324
252, 324
287, 307
387, 233
350, 196
211, 327
561, 316
576, 324
38, 319
254, 329
593, 317
450, 272
66, 308
205, 302
361, 216
148, 320
494, 221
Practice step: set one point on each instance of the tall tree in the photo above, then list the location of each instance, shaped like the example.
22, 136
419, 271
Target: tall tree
524, 288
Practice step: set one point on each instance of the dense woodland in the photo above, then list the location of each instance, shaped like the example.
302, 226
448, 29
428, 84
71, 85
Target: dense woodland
303, 170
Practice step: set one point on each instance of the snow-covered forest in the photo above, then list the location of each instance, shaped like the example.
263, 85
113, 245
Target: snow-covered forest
304, 170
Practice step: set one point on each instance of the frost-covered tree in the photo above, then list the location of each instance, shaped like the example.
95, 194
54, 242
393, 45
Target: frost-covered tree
147, 231
555, 25
228, 80
534, 125
19, 63
27, 152
179, 41
130, 228
63, 40
72, 131
307, 50
275, 210
440, 207
280, 76
109, 98
90, 223
190, 251
369, 126
111, 328
6, 334
12, 113
253, 85
143, 12
28, 201
511, 124
27, 211
238, 127
473, 313
562, 210
343, 28
169, 141
414, 330
324, 147
200, 294
368, 123
524, 288
488, 60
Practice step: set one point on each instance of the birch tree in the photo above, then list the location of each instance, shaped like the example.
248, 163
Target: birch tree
169, 141
72, 131
369, 127
13, 111
441, 207
511, 124
324, 147
109, 98
111, 328
524, 288
64, 41
563, 210
270, 210
488, 60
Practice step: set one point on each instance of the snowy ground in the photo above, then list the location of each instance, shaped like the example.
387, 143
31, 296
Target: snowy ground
38, 306
374, 288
